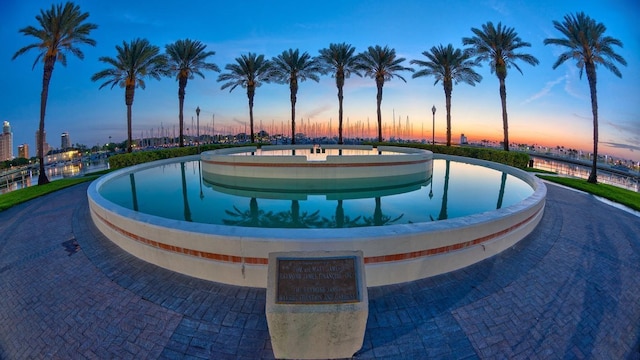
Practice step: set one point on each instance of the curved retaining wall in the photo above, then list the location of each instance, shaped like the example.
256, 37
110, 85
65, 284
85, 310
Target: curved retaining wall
393, 254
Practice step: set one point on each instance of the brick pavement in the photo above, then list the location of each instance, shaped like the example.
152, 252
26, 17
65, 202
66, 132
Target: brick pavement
571, 289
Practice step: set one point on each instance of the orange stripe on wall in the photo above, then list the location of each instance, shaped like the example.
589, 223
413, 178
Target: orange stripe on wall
265, 261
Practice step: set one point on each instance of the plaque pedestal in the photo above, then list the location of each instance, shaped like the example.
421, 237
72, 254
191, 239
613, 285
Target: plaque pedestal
317, 304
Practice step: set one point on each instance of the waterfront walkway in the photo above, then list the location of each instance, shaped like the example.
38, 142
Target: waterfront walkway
571, 289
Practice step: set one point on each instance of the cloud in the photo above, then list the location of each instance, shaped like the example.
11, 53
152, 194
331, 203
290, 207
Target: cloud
499, 7
630, 132
622, 146
546, 89
317, 111
140, 20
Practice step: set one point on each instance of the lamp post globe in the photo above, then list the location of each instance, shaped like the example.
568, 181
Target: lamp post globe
433, 126
198, 126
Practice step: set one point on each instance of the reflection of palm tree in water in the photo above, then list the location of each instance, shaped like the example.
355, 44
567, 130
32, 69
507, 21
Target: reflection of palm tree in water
380, 219
251, 217
502, 186
132, 179
443, 209
187, 211
295, 219
340, 220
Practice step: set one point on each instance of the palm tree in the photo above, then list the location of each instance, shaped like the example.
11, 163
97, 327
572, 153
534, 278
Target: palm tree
449, 66
585, 42
291, 67
135, 61
186, 58
340, 60
61, 29
249, 72
381, 64
498, 46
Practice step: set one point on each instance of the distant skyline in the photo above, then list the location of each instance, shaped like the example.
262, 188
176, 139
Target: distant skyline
545, 106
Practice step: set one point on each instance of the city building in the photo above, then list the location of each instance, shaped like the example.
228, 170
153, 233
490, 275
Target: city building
6, 142
62, 156
23, 151
463, 140
44, 140
65, 141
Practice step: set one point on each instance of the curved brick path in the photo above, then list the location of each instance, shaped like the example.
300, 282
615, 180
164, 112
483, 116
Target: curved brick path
569, 290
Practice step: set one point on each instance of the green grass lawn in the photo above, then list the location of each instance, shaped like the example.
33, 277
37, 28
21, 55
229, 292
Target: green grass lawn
22, 195
622, 196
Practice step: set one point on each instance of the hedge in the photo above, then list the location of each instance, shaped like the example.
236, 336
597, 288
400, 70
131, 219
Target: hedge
139, 157
511, 158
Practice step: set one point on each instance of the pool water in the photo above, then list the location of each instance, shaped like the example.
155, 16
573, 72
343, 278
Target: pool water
178, 191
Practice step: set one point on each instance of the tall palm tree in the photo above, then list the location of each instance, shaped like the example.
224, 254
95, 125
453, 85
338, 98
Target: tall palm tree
291, 67
450, 66
499, 46
186, 58
339, 58
381, 64
249, 72
61, 28
135, 61
585, 42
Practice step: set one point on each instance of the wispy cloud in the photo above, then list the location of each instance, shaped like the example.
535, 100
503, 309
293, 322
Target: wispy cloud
629, 132
573, 79
546, 89
498, 6
624, 146
140, 20
317, 111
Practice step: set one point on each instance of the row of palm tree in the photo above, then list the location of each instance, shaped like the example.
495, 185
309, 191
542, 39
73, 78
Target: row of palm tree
62, 27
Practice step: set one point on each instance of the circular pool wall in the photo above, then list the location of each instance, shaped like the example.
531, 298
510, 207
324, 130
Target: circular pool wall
392, 254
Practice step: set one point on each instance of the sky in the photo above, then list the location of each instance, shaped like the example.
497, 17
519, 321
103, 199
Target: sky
546, 106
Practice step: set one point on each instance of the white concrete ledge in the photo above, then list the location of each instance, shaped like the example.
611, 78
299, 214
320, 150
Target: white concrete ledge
392, 254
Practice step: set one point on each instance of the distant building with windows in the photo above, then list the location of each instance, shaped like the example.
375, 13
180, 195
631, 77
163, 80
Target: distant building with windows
62, 156
23, 151
463, 140
65, 141
44, 140
6, 142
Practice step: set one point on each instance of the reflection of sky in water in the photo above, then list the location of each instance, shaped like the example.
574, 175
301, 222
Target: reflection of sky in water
470, 189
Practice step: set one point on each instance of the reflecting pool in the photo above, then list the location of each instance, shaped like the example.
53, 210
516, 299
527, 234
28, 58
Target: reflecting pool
448, 189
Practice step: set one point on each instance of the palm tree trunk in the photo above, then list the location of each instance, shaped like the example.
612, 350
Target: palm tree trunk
250, 94
46, 79
129, 90
591, 77
294, 89
380, 84
448, 87
340, 85
505, 121
181, 86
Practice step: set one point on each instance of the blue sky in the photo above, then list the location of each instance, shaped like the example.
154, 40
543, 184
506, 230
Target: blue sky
545, 106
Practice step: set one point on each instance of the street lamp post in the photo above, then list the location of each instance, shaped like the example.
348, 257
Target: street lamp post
433, 126
198, 126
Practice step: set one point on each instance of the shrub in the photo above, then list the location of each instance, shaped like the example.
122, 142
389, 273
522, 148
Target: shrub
139, 157
511, 158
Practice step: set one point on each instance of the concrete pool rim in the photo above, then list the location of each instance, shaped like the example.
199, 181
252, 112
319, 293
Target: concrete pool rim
393, 254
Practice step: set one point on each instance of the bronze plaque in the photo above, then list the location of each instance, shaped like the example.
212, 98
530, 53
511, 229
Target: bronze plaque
329, 280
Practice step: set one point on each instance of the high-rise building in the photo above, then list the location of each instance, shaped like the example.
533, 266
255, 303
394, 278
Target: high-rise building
44, 140
65, 141
6, 142
23, 151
